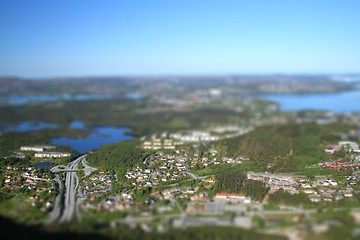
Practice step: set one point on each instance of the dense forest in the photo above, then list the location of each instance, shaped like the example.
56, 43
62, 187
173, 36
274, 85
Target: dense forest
118, 156
284, 148
233, 181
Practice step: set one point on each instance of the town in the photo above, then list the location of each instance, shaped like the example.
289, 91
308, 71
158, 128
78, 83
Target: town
174, 186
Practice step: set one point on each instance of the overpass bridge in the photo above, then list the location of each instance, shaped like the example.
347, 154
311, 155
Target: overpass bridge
65, 170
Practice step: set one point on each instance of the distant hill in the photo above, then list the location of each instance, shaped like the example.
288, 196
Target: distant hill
119, 85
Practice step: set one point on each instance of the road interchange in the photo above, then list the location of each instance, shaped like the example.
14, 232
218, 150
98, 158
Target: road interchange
71, 190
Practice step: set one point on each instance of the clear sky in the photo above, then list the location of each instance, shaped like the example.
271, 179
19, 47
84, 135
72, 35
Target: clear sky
133, 37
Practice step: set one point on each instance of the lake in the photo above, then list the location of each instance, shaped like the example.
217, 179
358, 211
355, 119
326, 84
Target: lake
100, 136
44, 164
335, 102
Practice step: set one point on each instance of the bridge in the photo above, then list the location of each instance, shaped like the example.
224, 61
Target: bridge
65, 170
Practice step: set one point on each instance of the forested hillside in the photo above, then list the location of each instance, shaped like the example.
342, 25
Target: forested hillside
284, 148
118, 156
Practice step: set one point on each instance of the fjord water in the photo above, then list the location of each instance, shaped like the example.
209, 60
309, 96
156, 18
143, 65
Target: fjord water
335, 102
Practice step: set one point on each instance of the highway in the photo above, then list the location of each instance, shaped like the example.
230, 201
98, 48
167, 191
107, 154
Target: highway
71, 185
72, 195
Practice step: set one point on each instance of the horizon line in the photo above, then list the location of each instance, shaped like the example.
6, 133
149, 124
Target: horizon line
162, 75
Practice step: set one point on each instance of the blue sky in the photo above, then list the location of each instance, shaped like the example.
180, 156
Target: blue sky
132, 37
